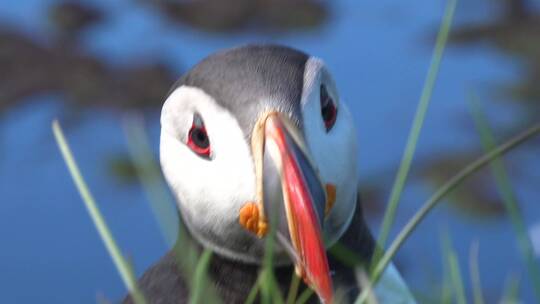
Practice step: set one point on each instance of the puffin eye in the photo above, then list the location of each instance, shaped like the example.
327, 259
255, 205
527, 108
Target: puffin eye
328, 109
198, 140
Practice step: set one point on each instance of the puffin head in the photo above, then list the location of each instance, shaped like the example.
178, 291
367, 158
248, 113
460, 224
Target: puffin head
254, 138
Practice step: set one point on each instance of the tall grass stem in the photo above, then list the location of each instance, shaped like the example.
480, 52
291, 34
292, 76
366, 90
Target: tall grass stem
293, 289
444, 190
150, 178
123, 267
199, 279
474, 270
305, 296
418, 122
455, 273
508, 196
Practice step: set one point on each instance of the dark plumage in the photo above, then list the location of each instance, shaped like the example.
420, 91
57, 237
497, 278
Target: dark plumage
164, 284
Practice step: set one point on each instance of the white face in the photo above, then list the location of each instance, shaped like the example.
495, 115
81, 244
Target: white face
211, 189
334, 152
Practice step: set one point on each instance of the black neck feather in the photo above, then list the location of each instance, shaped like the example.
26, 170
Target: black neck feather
233, 280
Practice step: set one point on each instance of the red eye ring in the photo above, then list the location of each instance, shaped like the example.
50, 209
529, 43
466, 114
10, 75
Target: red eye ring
198, 140
328, 109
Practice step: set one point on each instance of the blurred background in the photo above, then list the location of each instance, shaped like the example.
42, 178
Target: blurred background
90, 63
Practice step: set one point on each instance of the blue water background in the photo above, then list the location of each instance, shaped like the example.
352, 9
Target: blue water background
378, 52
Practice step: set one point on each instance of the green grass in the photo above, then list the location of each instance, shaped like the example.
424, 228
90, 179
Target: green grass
508, 196
474, 271
123, 267
442, 192
252, 296
150, 177
446, 288
304, 296
511, 290
293, 290
417, 125
187, 256
456, 279
200, 281
270, 292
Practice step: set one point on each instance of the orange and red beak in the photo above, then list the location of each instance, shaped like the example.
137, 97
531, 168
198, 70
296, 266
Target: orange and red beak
285, 164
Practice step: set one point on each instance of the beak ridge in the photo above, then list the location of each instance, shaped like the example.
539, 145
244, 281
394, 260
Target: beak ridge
304, 199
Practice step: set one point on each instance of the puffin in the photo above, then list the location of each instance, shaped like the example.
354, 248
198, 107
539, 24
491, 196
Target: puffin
255, 143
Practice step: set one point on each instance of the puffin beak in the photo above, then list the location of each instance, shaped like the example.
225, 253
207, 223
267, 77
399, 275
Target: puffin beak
286, 165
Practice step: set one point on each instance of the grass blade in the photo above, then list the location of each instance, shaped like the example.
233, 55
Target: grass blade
509, 198
445, 189
475, 274
446, 288
511, 290
270, 292
304, 296
254, 291
455, 273
150, 178
363, 283
164, 208
418, 122
123, 267
199, 280
293, 289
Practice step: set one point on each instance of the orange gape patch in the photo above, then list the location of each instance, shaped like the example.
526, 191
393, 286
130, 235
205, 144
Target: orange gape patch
250, 219
330, 198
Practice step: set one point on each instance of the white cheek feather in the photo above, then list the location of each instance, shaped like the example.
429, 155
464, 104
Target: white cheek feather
216, 189
335, 151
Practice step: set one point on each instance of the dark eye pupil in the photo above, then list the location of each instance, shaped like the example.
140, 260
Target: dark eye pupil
328, 108
327, 112
200, 138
